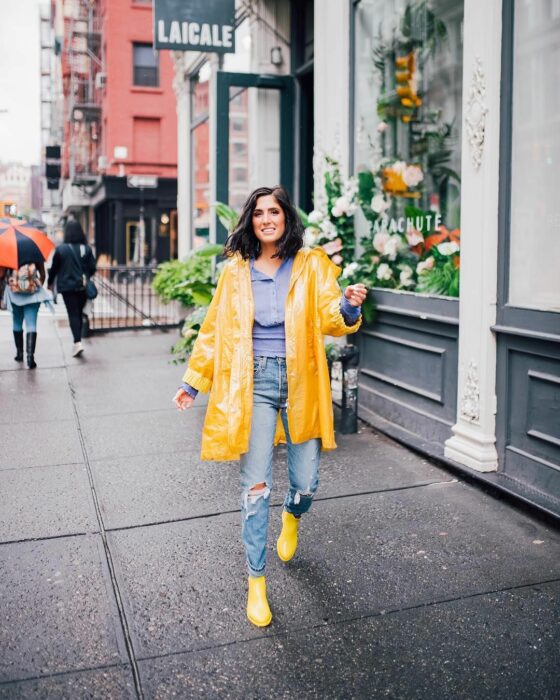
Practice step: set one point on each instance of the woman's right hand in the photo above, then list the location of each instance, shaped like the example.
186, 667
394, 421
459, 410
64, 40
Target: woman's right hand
183, 400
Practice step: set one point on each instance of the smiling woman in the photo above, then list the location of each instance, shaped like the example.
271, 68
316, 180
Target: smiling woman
261, 354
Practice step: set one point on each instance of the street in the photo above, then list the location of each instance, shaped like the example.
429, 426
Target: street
122, 571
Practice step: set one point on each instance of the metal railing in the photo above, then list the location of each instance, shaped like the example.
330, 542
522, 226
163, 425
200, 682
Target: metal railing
126, 300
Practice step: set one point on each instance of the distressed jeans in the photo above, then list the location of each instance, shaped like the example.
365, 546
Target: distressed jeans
270, 394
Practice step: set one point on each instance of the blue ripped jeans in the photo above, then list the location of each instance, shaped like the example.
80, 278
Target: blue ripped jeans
270, 394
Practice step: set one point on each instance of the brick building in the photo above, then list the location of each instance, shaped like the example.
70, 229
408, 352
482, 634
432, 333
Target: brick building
119, 122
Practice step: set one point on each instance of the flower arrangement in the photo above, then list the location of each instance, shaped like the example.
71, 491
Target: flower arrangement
333, 227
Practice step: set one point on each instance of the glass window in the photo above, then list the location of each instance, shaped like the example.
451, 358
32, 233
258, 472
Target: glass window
535, 168
145, 65
408, 89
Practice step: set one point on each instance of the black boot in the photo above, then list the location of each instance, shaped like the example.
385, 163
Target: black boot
31, 340
18, 337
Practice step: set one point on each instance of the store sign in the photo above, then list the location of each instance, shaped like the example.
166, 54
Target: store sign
148, 181
424, 224
195, 25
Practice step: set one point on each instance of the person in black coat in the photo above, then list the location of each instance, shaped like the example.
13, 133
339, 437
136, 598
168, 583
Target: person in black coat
71, 261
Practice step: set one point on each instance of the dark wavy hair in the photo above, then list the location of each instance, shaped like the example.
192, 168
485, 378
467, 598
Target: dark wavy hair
74, 233
243, 239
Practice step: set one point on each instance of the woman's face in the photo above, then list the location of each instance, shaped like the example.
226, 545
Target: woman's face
269, 221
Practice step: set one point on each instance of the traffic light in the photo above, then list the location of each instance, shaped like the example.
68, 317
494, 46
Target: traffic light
52, 166
406, 77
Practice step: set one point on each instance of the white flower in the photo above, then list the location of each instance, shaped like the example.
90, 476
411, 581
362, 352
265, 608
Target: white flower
392, 247
310, 236
414, 237
379, 241
350, 269
315, 217
379, 204
405, 277
398, 166
448, 248
412, 175
384, 272
382, 127
341, 207
426, 264
328, 229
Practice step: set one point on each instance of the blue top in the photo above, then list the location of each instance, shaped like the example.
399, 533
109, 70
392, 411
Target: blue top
269, 295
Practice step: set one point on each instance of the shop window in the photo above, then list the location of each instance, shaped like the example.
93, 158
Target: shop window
408, 87
145, 65
534, 245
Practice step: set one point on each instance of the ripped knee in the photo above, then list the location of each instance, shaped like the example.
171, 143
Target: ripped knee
252, 496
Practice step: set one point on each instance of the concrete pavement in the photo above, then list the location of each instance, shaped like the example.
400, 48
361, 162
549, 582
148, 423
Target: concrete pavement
121, 567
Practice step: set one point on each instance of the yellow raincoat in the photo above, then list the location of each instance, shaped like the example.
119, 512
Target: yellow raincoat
222, 357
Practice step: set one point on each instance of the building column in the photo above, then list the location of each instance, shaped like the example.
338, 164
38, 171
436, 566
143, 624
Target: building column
182, 84
332, 87
215, 65
474, 441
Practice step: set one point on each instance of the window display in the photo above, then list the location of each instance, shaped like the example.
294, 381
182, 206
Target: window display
408, 149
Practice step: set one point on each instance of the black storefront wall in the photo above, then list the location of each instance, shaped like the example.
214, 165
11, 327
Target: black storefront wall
408, 368
121, 204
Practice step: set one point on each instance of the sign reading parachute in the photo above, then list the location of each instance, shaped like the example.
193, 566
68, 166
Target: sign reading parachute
195, 25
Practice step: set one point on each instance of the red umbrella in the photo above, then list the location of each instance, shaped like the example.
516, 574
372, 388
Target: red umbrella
22, 243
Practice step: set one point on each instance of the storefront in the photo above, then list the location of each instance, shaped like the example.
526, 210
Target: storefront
441, 119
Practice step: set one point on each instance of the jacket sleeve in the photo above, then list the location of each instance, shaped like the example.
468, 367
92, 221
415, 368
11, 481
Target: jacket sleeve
55, 264
200, 369
329, 296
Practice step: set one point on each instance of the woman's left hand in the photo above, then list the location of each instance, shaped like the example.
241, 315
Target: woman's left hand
356, 293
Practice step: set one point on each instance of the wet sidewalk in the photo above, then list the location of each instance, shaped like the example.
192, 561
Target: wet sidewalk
122, 574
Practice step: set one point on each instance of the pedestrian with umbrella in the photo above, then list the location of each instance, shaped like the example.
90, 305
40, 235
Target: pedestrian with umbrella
23, 251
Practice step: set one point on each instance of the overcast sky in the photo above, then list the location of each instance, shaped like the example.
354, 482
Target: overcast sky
20, 134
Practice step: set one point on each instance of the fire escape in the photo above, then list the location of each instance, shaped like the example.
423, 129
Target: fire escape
83, 73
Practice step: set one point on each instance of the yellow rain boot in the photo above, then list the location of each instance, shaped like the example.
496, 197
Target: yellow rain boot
258, 610
287, 542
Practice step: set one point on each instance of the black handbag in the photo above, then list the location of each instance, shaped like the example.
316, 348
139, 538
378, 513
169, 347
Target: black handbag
91, 289
88, 285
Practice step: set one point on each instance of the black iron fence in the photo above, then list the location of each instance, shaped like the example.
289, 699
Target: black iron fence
126, 300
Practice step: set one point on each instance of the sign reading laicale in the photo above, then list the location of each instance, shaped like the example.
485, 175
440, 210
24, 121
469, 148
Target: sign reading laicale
195, 25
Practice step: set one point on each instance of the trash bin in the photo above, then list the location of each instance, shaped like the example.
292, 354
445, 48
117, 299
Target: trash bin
349, 358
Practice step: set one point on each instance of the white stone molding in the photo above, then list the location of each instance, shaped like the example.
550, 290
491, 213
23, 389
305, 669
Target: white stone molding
476, 111
470, 395
474, 434
332, 89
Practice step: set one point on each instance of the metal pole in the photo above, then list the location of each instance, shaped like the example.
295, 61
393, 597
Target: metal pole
349, 357
142, 231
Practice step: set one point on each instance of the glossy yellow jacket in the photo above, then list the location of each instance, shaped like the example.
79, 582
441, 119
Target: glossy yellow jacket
222, 357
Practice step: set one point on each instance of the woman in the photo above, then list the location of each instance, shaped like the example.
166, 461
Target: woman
24, 306
260, 352
71, 261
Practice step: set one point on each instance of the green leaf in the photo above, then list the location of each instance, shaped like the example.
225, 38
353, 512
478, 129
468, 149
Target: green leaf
228, 216
208, 251
201, 294
303, 216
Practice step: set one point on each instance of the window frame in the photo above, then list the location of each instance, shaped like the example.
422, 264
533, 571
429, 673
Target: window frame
135, 66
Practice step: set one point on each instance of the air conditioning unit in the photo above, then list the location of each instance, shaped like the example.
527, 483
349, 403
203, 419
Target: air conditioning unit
102, 163
100, 80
